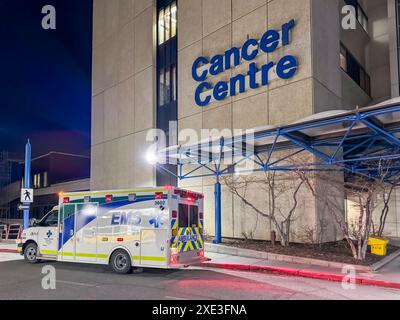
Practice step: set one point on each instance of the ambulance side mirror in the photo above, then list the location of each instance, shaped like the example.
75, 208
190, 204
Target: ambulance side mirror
34, 222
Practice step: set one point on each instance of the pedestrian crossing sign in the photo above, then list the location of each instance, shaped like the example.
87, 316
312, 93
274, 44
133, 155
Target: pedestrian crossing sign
26, 195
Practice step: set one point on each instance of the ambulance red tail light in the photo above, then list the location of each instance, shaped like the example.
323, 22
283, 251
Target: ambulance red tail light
174, 259
159, 195
109, 198
66, 200
174, 214
201, 214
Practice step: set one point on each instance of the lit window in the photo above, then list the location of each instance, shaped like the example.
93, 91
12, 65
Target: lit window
174, 19
36, 181
45, 179
167, 23
161, 27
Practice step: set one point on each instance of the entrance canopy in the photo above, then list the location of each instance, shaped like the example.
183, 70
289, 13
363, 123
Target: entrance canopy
364, 141
359, 141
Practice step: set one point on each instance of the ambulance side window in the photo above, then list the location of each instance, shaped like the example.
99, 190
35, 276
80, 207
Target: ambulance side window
51, 220
183, 216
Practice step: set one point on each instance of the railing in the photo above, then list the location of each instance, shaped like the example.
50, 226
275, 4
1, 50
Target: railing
3, 232
14, 232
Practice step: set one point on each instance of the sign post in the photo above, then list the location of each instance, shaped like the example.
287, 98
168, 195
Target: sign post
26, 192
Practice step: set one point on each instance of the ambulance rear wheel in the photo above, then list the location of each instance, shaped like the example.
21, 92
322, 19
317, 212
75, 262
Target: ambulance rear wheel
31, 252
121, 262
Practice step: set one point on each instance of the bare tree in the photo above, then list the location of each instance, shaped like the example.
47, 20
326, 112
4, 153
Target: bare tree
363, 189
386, 198
387, 190
276, 186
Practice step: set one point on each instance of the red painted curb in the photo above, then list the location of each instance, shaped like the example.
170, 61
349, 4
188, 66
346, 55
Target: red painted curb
8, 251
380, 283
303, 273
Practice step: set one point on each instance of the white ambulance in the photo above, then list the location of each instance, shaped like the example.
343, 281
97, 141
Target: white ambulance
154, 227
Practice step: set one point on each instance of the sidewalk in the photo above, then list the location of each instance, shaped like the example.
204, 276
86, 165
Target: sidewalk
7, 247
388, 277
8, 252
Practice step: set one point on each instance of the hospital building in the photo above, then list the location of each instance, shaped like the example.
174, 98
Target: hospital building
228, 65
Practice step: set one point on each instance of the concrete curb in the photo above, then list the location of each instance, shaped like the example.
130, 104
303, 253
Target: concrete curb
8, 251
303, 273
246, 253
385, 261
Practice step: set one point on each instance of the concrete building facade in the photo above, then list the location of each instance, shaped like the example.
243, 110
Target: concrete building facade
138, 58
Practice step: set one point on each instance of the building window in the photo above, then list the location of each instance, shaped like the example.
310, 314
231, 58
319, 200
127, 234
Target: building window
45, 180
161, 90
167, 23
36, 181
361, 16
343, 58
174, 19
174, 85
161, 27
168, 85
354, 70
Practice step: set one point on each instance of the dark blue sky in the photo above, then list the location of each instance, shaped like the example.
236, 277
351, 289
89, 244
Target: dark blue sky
45, 80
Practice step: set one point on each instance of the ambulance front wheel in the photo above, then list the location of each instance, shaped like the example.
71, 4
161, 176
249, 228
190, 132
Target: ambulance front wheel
121, 262
31, 252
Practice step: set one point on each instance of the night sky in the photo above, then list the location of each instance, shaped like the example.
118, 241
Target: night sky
45, 81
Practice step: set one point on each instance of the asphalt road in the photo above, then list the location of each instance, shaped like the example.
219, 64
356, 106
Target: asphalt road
19, 280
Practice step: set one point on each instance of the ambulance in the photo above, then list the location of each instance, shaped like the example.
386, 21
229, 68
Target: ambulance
126, 229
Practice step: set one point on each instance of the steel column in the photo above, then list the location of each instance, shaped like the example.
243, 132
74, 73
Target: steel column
27, 179
218, 213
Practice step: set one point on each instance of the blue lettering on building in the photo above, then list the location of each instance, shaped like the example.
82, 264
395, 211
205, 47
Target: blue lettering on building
202, 67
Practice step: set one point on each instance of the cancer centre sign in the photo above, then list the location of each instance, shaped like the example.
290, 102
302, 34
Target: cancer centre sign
204, 68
